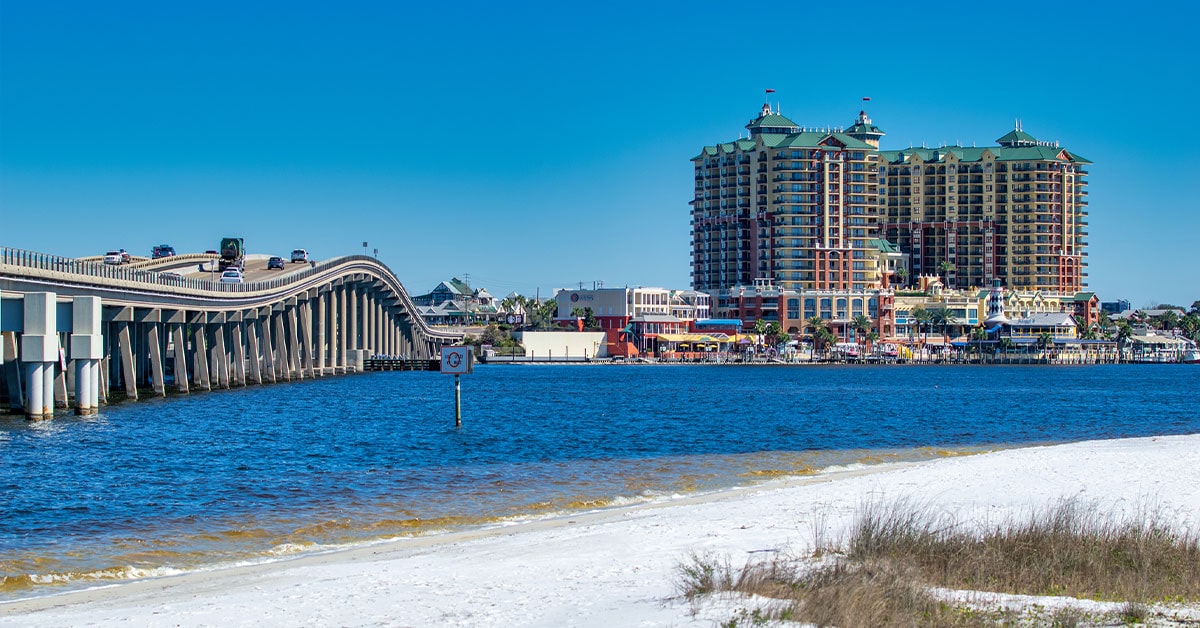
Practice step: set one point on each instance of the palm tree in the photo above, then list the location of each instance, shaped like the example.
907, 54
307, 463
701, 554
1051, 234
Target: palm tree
815, 324
861, 325
946, 267
783, 339
941, 317
1124, 331
902, 274
826, 337
774, 331
921, 315
1045, 340
978, 335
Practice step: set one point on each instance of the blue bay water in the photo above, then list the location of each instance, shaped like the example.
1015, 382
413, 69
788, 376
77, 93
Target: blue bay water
213, 478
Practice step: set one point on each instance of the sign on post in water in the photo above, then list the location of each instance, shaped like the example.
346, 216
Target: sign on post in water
458, 361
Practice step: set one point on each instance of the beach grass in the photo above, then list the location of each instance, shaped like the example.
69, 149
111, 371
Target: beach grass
885, 570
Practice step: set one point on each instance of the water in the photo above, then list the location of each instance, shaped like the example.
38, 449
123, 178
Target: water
156, 486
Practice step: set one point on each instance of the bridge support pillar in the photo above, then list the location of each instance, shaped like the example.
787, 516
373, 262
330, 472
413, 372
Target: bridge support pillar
180, 356
322, 348
334, 333
291, 323
12, 373
282, 369
39, 352
220, 356
200, 353
306, 337
239, 353
352, 321
151, 322
365, 312
268, 358
345, 328
255, 362
125, 347
87, 349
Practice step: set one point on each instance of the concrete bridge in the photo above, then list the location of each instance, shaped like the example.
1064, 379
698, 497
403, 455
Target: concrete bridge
77, 332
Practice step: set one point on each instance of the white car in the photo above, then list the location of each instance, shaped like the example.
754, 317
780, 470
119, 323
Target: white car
231, 275
113, 257
299, 255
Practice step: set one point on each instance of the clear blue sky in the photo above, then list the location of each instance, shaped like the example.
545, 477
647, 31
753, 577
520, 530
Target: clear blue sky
542, 145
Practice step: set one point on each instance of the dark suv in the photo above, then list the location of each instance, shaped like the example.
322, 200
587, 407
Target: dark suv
275, 263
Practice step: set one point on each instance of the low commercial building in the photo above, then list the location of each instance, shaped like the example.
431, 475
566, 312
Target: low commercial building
632, 318
793, 308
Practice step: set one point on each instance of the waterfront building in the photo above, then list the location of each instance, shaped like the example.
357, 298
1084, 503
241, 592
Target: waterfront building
792, 204
454, 302
1015, 212
1060, 326
764, 300
825, 209
632, 317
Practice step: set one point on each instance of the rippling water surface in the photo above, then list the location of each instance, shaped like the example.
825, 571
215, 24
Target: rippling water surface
188, 482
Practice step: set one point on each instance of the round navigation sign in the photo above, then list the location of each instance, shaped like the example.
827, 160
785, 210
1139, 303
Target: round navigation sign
454, 359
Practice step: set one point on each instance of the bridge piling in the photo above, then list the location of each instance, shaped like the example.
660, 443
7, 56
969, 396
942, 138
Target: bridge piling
87, 349
39, 352
239, 352
200, 372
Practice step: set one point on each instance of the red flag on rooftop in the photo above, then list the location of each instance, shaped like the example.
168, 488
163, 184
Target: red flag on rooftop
866, 98
770, 91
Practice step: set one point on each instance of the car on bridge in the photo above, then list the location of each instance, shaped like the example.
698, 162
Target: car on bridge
231, 275
112, 257
299, 255
275, 263
161, 251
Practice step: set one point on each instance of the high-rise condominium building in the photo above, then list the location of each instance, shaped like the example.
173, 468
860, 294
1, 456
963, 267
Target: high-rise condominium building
1016, 212
804, 207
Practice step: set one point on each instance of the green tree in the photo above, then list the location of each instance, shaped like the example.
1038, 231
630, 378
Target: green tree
1044, 341
773, 332
540, 315
815, 325
1190, 325
1167, 320
978, 335
902, 275
922, 316
946, 267
941, 318
1196, 307
861, 325
826, 338
494, 336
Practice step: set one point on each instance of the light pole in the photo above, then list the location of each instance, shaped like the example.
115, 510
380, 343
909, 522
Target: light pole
364, 247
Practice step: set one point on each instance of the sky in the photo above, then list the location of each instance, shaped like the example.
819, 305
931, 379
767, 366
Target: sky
533, 146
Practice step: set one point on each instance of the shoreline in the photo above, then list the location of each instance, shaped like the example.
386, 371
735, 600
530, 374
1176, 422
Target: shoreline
555, 571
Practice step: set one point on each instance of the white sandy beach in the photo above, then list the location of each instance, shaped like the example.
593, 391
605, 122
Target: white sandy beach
617, 567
